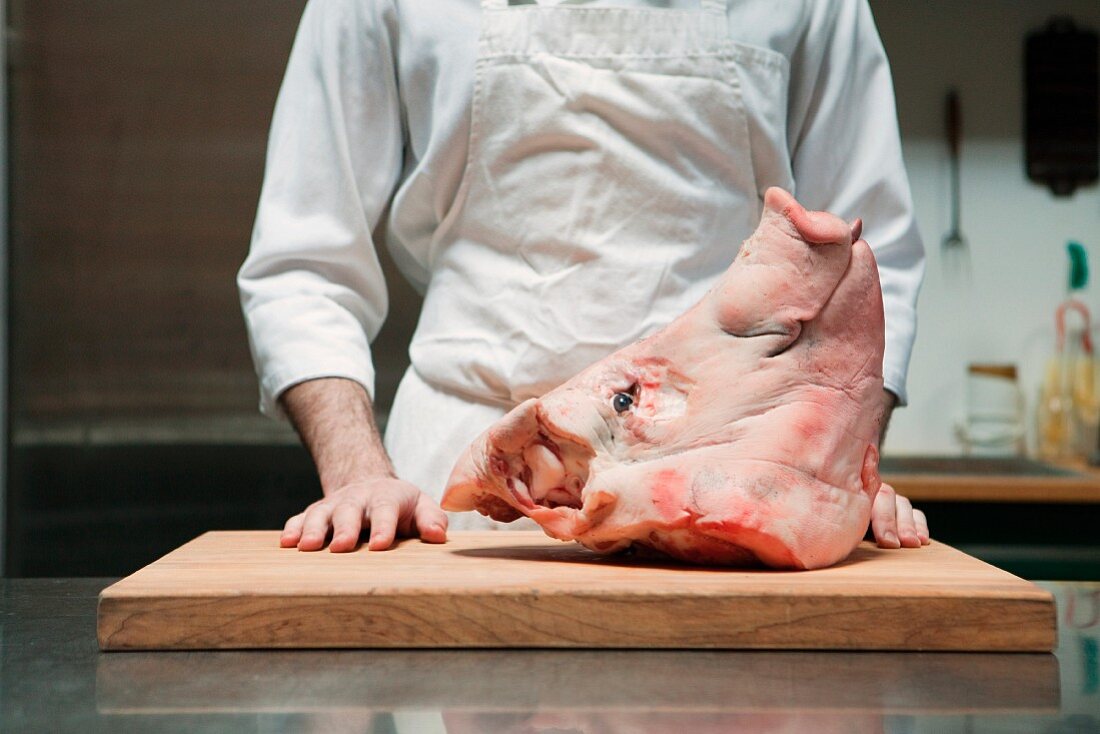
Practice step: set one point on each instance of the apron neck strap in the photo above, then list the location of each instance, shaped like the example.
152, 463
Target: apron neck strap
716, 7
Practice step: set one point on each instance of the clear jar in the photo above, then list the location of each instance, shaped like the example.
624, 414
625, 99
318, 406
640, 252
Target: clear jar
994, 421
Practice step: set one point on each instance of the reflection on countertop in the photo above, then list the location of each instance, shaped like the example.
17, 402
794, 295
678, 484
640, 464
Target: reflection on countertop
579, 683
54, 678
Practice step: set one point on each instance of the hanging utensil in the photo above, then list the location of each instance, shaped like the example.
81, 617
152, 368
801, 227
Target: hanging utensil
954, 239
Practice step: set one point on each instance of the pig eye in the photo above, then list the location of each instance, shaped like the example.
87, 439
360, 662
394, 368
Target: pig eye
622, 402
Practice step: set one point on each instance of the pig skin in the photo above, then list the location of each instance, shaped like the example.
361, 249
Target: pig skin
753, 430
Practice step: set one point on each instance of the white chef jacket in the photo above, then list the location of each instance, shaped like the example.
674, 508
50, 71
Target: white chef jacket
370, 135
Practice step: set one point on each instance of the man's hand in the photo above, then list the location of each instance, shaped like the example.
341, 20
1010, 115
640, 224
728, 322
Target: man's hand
389, 507
895, 523
335, 420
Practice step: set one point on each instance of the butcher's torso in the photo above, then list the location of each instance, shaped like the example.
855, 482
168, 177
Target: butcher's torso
573, 178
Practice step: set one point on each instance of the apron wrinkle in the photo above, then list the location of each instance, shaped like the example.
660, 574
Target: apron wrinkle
553, 80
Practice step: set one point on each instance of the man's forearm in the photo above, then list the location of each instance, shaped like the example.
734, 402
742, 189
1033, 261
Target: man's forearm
335, 420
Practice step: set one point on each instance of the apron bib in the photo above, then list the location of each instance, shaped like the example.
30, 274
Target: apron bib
608, 183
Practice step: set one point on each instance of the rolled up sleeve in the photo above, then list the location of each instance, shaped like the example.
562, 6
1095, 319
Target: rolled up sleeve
312, 290
846, 158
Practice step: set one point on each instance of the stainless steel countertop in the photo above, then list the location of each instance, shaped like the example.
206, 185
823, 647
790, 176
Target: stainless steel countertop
53, 678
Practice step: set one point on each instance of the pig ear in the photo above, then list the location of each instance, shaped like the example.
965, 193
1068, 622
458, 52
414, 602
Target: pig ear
818, 228
785, 272
851, 322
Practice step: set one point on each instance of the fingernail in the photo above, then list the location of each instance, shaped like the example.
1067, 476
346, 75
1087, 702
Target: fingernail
891, 538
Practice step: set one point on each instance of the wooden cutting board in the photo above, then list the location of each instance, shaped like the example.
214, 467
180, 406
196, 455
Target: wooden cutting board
522, 589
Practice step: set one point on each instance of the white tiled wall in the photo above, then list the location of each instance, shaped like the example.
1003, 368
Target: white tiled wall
1016, 230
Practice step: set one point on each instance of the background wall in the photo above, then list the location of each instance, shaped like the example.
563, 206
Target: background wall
138, 135
1016, 230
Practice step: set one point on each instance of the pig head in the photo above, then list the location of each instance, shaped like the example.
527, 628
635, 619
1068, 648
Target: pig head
744, 432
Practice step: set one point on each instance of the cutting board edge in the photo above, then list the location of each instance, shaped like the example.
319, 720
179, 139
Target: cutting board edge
125, 623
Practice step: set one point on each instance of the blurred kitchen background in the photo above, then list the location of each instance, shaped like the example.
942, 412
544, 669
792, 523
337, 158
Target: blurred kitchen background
135, 141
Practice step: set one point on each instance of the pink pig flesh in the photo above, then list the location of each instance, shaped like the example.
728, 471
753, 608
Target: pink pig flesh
751, 434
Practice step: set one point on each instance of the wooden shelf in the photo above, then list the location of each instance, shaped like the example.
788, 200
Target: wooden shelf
960, 488
1062, 484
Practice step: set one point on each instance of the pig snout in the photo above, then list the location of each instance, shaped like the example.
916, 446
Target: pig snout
550, 483
555, 462
536, 457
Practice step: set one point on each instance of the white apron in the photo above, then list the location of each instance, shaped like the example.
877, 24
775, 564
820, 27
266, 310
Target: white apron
608, 182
